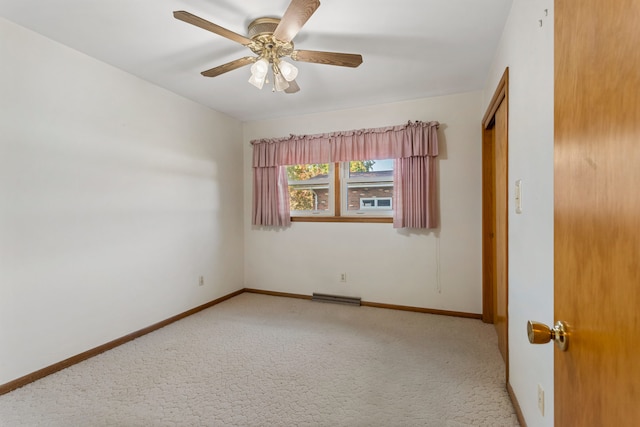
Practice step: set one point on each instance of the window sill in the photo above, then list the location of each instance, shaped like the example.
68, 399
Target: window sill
376, 220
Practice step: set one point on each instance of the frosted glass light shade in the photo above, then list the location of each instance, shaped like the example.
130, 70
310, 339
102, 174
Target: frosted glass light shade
260, 67
280, 82
259, 71
257, 81
289, 72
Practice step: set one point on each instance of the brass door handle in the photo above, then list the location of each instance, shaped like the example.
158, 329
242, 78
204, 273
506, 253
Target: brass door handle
539, 333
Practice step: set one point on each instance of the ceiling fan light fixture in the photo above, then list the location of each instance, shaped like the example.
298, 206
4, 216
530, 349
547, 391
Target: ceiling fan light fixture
271, 39
257, 81
288, 71
280, 83
259, 71
260, 67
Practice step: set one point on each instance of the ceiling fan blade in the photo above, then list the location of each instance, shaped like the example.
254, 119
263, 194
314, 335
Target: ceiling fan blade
293, 87
229, 66
328, 58
296, 15
192, 19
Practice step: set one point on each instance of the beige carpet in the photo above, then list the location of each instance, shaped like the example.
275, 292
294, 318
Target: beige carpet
258, 360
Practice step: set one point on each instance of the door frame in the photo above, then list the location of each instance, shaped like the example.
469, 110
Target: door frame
489, 195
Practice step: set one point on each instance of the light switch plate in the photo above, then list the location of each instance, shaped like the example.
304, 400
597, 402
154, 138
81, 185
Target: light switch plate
519, 196
541, 399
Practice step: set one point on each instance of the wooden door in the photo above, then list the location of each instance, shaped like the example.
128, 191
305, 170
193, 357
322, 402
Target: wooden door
495, 215
597, 211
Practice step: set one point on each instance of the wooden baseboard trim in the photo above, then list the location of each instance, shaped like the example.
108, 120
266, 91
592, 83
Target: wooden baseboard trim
422, 310
22, 381
516, 406
375, 304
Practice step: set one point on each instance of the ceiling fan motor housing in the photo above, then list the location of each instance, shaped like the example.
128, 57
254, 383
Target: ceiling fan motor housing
264, 44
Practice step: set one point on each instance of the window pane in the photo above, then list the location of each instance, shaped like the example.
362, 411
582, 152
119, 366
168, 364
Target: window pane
377, 169
316, 172
309, 187
369, 186
369, 195
304, 198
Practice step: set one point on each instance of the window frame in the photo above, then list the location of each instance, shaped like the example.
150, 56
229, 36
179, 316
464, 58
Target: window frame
338, 185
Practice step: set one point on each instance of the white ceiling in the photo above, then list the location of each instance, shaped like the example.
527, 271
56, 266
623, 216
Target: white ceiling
411, 48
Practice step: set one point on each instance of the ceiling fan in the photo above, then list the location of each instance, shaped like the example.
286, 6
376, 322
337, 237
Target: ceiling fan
271, 40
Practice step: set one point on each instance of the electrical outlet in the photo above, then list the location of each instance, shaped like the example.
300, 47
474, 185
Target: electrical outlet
541, 399
201, 282
343, 277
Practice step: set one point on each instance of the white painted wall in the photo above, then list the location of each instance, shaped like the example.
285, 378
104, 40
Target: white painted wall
527, 49
115, 196
382, 264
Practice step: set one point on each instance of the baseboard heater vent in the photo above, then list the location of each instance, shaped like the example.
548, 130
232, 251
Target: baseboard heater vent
335, 299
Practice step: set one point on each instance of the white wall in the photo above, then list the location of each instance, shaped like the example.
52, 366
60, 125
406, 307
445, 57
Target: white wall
527, 49
115, 196
382, 264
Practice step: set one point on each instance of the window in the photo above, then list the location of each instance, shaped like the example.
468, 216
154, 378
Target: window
367, 187
311, 189
362, 188
409, 202
375, 203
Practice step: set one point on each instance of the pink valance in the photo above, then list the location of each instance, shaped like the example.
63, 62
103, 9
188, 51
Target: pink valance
414, 146
294, 150
392, 142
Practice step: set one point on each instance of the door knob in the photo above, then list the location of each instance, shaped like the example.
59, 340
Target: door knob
539, 333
